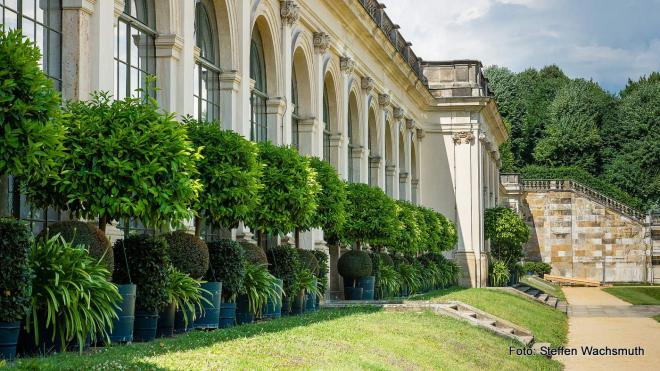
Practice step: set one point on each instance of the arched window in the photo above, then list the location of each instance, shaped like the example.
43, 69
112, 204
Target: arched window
135, 50
41, 22
326, 125
295, 115
349, 155
259, 130
207, 71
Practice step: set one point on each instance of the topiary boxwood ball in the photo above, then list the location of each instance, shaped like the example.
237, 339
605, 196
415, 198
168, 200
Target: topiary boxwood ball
227, 264
87, 235
354, 264
309, 261
188, 253
254, 254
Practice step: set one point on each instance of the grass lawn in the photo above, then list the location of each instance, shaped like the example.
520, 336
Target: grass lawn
356, 338
546, 286
657, 318
547, 324
636, 295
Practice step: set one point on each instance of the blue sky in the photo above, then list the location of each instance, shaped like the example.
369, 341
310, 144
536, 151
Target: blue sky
604, 40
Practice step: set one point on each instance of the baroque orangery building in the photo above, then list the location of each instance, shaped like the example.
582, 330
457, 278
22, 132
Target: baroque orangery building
334, 78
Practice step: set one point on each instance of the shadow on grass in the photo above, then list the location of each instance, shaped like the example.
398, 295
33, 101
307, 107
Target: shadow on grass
130, 356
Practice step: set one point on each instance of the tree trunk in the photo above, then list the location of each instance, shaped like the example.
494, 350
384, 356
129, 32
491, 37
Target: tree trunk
297, 237
4, 196
198, 226
358, 246
103, 221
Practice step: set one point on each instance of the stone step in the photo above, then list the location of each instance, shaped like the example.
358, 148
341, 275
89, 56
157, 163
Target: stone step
468, 314
542, 297
533, 292
523, 288
526, 339
488, 322
552, 301
507, 330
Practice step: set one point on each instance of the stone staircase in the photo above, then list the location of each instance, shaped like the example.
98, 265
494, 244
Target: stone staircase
542, 297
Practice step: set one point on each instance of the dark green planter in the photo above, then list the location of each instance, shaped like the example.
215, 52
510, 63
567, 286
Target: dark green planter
353, 293
210, 319
310, 302
227, 315
273, 308
243, 315
298, 306
122, 327
286, 306
166, 321
367, 285
179, 322
9, 339
146, 324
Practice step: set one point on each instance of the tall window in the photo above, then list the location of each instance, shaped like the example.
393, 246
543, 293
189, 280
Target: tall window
258, 120
326, 125
207, 70
41, 22
349, 156
135, 50
295, 115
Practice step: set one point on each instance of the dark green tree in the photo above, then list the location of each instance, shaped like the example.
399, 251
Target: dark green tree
331, 212
371, 216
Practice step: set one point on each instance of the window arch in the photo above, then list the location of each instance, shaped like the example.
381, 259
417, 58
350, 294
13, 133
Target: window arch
349, 154
326, 124
135, 49
295, 115
206, 94
259, 125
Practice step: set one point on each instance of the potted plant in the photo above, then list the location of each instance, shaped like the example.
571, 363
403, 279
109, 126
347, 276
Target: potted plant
322, 276
184, 294
227, 263
146, 263
258, 287
353, 265
72, 301
309, 262
15, 283
389, 282
284, 264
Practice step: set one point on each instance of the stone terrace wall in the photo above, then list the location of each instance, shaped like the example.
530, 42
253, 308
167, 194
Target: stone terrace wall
583, 239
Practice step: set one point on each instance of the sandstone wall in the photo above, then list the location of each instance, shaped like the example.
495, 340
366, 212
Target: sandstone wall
583, 239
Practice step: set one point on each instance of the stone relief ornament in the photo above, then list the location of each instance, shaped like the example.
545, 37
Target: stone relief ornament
398, 113
367, 83
384, 99
463, 137
346, 64
410, 124
321, 42
289, 11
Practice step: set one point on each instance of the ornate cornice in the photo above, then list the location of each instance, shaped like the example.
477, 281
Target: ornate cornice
367, 83
289, 11
384, 99
321, 42
463, 137
346, 64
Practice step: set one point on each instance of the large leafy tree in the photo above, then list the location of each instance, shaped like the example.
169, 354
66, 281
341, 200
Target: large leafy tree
30, 129
371, 216
288, 198
331, 212
123, 159
409, 235
229, 172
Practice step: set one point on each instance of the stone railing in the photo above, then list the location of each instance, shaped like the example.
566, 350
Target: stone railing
543, 185
459, 78
377, 12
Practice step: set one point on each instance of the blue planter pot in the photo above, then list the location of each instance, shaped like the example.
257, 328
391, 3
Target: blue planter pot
8, 339
298, 305
286, 306
273, 308
243, 315
122, 327
227, 315
166, 321
367, 285
145, 326
210, 319
353, 293
310, 302
180, 326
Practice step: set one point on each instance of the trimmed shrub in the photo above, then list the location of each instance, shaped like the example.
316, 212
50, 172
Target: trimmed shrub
309, 261
499, 273
385, 258
188, 254
370, 216
148, 267
15, 275
227, 264
354, 264
331, 212
83, 234
324, 268
284, 264
254, 254
537, 268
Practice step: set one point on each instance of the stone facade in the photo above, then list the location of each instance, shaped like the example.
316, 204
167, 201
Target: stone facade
580, 238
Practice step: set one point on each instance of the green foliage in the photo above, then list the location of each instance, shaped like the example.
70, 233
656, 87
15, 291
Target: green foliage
537, 268
308, 260
411, 278
259, 286
229, 172
84, 234
371, 216
188, 254
306, 282
123, 159
354, 264
284, 264
30, 130
499, 273
16, 274
389, 282
288, 196
331, 211
507, 233
227, 264
506, 151
186, 293
144, 261
71, 295
385, 258
254, 254
440, 272
581, 176
407, 238
324, 268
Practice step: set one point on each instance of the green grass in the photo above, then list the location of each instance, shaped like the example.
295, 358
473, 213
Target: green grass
356, 338
546, 286
636, 295
657, 318
547, 324
633, 284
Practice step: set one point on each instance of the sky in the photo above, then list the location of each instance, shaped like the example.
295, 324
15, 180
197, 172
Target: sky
608, 41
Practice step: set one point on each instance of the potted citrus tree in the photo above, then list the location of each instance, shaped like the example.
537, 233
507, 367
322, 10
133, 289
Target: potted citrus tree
228, 261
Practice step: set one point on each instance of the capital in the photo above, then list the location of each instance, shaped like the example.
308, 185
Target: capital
346, 64
463, 137
398, 113
289, 11
367, 83
384, 99
321, 42
420, 134
410, 124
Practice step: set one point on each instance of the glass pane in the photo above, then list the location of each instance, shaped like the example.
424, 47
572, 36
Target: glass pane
40, 11
134, 47
12, 4
121, 81
121, 41
28, 8
28, 28
11, 20
55, 14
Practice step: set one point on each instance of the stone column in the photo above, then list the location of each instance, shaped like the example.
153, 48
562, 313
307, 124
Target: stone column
243, 110
168, 52
375, 165
367, 85
336, 140
321, 41
405, 187
420, 178
76, 48
396, 132
384, 103
275, 110
289, 11
414, 193
230, 88
347, 65
390, 175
